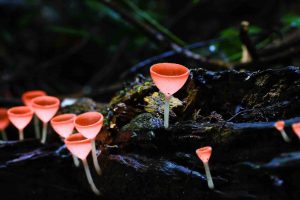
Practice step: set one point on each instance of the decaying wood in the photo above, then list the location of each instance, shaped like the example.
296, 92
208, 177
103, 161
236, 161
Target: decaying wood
234, 112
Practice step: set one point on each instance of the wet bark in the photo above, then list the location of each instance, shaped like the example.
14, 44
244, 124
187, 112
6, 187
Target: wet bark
234, 112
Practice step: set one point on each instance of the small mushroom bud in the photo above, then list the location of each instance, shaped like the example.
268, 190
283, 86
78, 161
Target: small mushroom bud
204, 154
296, 129
279, 125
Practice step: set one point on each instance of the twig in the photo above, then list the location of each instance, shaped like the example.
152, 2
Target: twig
291, 40
183, 12
202, 61
161, 39
262, 125
237, 114
244, 36
212, 64
154, 23
264, 62
167, 54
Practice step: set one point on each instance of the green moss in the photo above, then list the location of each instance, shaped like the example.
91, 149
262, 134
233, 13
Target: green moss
80, 106
132, 93
85, 105
225, 136
261, 81
145, 121
155, 103
192, 97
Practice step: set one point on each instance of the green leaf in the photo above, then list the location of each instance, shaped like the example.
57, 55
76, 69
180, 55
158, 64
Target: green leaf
69, 31
145, 16
99, 7
291, 20
231, 47
229, 32
254, 29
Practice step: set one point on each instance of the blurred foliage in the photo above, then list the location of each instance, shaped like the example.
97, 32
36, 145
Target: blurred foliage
85, 35
156, 101
291, 20
230, 49
91, 19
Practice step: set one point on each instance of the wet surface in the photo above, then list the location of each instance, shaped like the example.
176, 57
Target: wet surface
142, 160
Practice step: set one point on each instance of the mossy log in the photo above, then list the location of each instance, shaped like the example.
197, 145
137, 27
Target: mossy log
234, 112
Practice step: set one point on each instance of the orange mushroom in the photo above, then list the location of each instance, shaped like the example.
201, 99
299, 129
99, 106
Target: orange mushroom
63, 125
296, 129
27, 100
80, 146
279, 125
20, 117
204, 154
4, 122
89, 125
169, 78
45, 107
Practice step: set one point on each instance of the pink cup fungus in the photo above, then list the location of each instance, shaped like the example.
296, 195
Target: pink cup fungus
63, 125
45, 107
4, 122
204, 154
27, 98
89, 125
80, 146
296, 129
279, 125
20, 117
29, 95
168, 78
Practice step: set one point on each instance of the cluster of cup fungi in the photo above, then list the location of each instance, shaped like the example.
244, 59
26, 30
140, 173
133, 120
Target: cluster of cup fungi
168, 78
279, 125
45, 107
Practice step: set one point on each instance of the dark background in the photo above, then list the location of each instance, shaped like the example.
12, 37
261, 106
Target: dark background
83, 48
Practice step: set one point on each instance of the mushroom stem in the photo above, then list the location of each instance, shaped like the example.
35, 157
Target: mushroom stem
76, 161
166, 111
44, 133
284, 136
4, 136
21, 135
208, 176
89, 178
95, 159
36, 127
